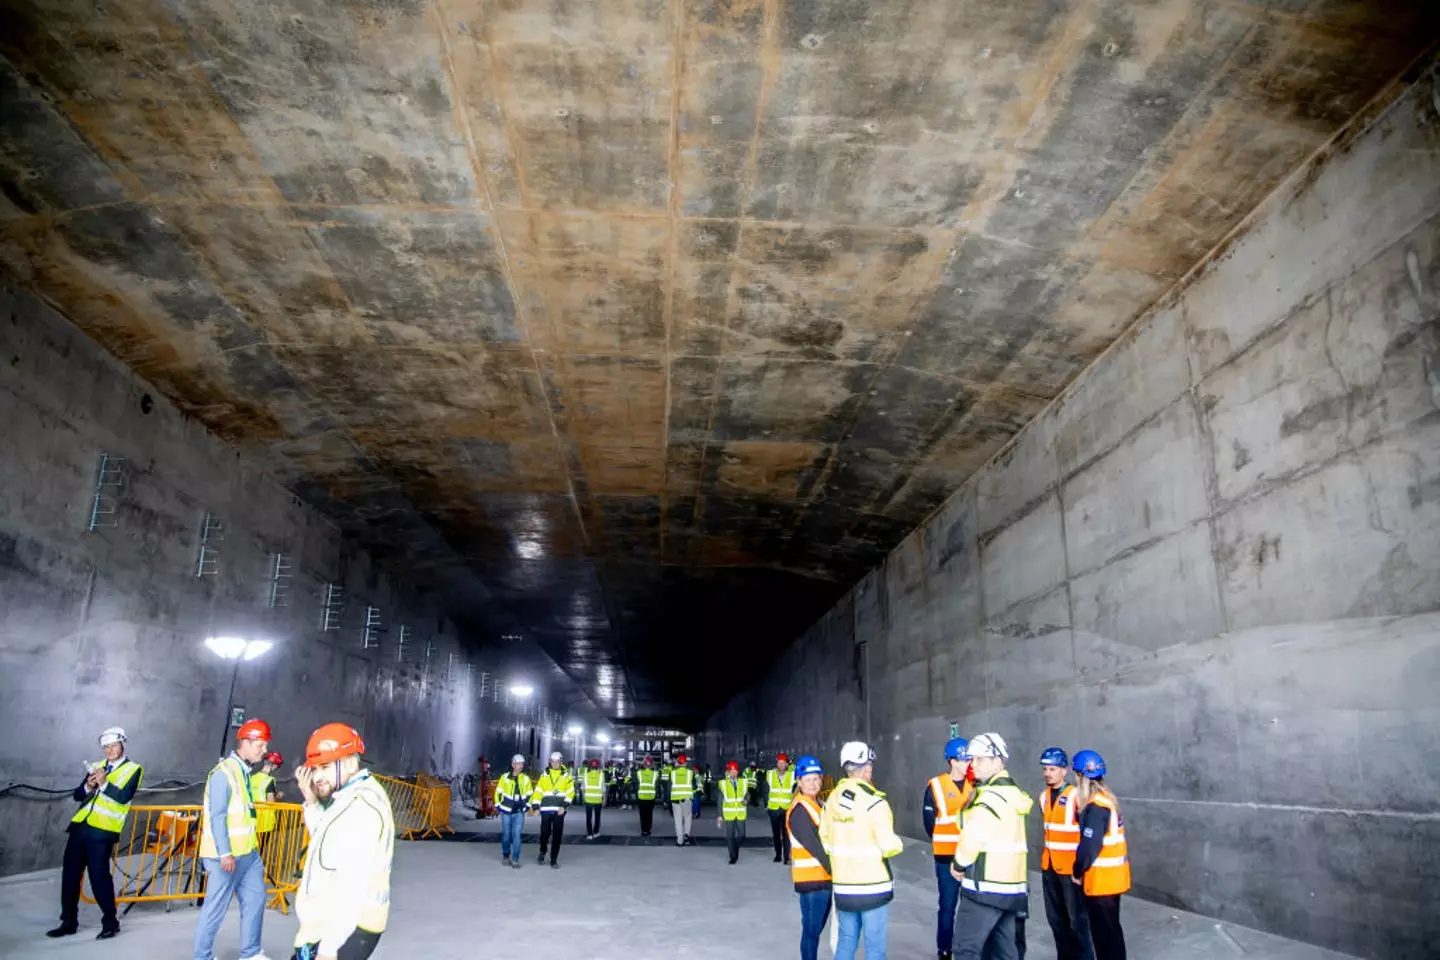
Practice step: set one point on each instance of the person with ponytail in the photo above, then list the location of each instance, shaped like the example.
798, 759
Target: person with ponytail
1102, 863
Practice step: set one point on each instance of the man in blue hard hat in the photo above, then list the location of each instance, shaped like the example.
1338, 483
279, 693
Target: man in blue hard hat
945, 796
1064, 901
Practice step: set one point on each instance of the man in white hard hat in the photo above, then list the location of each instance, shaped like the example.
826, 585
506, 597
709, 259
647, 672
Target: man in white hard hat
554, 792
512, 797
104, 797
991, 857
857, 826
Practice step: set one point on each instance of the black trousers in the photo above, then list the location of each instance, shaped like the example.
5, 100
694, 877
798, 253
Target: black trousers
87, 853
983, 932
734, 836
1105, 927
647, 816
552, 828
358, 946
592, 818
1069, 919
779, 835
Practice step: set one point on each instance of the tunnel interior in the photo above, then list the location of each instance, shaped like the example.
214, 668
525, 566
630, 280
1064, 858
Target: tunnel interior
771, 373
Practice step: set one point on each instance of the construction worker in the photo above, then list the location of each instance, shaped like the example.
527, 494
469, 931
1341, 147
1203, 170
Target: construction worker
554, 792
810, 866
990, 857
228, 846
1102, 861
734, 790
857, 826
104, 797
512, 797
682, 791
647, 782
945, 796
594, 791
1064, 901
263, 789
752, 779
665, 772
483, 804
344, 898
779, 788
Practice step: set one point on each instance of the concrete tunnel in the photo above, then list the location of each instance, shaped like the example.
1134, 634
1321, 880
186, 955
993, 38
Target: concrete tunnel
738, 376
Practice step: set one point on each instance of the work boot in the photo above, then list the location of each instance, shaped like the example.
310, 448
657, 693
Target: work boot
107, 932
554, 865
777, 858
64, 930
541, 859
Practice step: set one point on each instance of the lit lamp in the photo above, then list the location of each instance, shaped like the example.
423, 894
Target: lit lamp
234, 649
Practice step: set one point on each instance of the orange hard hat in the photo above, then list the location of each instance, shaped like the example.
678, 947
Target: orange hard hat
333, 741
253, 730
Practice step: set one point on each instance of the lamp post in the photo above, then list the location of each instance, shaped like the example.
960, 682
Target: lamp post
234, 649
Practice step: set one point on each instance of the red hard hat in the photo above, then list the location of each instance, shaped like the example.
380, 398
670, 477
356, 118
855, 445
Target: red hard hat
333, 741
781, 758
682, 759
274, 757
732, 765
253, 730
594, 764
649, 761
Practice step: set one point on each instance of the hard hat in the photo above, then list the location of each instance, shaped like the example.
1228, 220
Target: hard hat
732, 765
1054, 757
113, 735
518, 758
682, 759
253, 730
556, 756
957, 748
856, 752
989, 745
331, 742
649, 761
1090, 764
781, 758
273, 758
594, 764
807, 765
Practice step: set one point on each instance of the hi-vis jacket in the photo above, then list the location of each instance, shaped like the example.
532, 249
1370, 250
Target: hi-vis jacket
554, 792
512, 793
346, 882
858, 828
992, 849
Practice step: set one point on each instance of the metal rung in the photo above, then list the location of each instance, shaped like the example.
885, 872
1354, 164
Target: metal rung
370, 637
279, 581
402, 641
212, 530
111, 473
334, 609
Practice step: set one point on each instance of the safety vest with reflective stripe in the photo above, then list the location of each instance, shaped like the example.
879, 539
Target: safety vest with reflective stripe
594, 787
1062, 833
554, 792
804, 868
781, 785
858, 828
732, 798
992, 849
239, 814
949, 801
260, 782
359, 821
512, 793
1110, 873
101, 812
648, 779
682, 784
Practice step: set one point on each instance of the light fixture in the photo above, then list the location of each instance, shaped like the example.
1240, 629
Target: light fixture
575, 729
603, 737
521, 690
234, 649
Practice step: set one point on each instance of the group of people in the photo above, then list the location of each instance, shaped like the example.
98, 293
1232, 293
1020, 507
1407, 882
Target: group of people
974, 814
343, 899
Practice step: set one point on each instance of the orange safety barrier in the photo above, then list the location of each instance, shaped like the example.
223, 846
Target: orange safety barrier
420, 811
158, 856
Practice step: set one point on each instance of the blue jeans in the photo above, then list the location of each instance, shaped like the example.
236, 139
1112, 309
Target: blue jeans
510, 824
247, 884
949, 900
871, 924
814, 911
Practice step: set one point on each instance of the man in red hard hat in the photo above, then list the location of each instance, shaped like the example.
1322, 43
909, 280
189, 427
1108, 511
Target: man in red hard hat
229, 846
682, 790
343, 902
779, 788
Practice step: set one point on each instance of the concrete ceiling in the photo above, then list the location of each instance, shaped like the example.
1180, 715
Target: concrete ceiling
641, 329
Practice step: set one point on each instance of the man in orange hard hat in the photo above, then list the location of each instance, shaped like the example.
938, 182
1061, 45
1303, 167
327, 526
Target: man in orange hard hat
229, 846
344, 898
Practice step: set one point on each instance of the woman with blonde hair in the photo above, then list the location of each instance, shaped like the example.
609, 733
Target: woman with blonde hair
1102, 863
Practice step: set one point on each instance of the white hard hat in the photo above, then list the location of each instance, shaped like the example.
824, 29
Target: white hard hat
856, 752
989, 745
556, 756
113, 735
518, 758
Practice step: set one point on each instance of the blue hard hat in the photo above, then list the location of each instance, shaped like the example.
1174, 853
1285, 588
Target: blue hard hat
1090, 764
956, 748
1054, 757
807, 765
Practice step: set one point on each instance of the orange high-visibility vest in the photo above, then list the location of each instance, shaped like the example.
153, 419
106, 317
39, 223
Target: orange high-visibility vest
949, 801
804, 868
1110, 873
1062, 832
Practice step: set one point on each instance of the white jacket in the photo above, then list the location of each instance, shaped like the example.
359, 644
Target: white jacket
346, 883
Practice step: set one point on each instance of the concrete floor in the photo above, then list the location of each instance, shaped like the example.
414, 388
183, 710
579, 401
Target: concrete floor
612, 900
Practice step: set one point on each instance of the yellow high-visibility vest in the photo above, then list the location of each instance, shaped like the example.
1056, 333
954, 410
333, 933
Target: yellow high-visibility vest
732, 798
239, 815
100, 811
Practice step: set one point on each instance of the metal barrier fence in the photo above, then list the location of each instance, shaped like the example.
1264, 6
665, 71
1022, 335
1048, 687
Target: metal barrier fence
421, 809
157, 859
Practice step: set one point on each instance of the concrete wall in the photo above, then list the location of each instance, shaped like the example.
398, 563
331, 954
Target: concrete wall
1217, 561
106, 627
